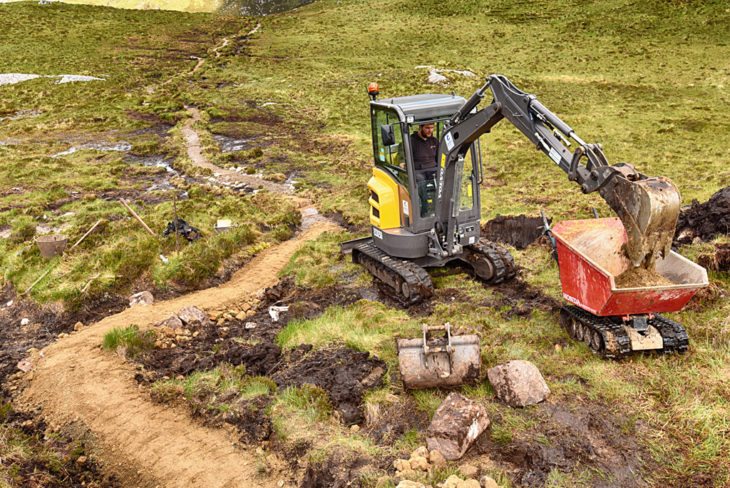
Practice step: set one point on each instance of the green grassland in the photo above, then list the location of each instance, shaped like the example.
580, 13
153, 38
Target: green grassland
648, 80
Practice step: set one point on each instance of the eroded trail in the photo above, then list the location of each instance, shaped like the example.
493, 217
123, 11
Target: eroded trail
77, 383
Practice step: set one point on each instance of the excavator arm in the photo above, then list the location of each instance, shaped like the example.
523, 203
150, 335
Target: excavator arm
647, 206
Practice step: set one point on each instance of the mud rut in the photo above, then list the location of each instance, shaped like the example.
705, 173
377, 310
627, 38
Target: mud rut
93, 393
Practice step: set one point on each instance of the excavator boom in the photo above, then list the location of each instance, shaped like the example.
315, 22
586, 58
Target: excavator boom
647, 206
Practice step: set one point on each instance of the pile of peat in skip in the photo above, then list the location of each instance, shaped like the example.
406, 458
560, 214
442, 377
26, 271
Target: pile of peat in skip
519, 231
342, 373
705, 220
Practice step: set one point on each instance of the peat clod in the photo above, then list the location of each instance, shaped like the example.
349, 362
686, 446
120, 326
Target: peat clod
519, 231
705, 220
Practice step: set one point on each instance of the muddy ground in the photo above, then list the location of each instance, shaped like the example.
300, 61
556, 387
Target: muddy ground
519, 231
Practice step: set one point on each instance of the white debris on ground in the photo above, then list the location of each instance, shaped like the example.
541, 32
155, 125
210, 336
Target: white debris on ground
120, 147
436, 77
14, 78
77, 78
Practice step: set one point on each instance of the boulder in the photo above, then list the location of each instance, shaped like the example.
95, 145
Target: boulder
141, 298
410, 484
518, 383
192, 316
455, 426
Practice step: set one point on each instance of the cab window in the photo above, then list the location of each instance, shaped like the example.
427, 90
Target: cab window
388, 144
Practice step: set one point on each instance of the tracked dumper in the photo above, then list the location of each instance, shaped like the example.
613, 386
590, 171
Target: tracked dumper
615, 321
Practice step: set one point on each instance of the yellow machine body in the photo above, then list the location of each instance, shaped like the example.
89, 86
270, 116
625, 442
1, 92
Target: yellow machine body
385, 200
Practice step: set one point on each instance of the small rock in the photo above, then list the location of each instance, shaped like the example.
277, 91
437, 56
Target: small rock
24, 322
249, 325
25, 365
78, 326
410, 484
470, 483
437, 459
171, 323
455, 426
192, 316
354, 428
27, 423
401, 465
81, 460
241, 315
141, 298
488, 482
469, 470
421, 451
280, 483
436, 78
9, 304
518, 383
452, 482
419, 463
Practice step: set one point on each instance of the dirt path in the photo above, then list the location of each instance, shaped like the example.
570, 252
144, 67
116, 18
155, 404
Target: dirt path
79, 384
195, 153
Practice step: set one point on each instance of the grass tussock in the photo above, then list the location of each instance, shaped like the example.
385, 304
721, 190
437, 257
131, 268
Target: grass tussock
129, 341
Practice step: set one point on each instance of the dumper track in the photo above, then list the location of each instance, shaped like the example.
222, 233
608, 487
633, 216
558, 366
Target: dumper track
601, 334
409, 283
491, 262
607, 337
673, 334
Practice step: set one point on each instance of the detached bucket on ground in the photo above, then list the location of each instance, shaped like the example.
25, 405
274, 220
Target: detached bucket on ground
51, 245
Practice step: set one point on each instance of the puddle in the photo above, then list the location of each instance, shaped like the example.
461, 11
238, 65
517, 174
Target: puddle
94, 146
290, 182
15, 78
229, 144
163, 183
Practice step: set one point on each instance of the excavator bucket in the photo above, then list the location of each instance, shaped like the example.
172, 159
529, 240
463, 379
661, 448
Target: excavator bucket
648, 208
438, 361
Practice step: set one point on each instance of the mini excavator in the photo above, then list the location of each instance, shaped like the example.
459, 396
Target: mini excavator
430, 218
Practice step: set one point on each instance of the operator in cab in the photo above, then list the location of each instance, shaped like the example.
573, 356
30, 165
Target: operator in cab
425, 148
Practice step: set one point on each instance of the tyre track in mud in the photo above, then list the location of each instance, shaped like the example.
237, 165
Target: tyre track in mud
80, 387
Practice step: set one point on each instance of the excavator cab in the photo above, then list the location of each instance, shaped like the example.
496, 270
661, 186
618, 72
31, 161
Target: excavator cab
402, 194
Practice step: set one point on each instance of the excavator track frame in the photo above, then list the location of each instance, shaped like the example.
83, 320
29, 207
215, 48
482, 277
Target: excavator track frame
409, 282
491, 262
608, 337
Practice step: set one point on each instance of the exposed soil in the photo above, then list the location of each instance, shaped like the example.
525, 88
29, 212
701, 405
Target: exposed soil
53, 460
338, 470
705, 220
521, 298
345, 374
583, 438
519, 231
148, 444
641, 277
390, 421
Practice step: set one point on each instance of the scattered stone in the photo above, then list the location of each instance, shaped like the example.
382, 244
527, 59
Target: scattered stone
488, 482
192, 316
241, 315
280, 483
421, 451
419, 463
274, 312
455, 426
470, 483
437, 459
452, 481
25, 365
354, 428
436, 78
410, 484
78, 326
172, 323
518, 383
81, 460
249, 325
141, 298
401, 465
469, 470
24, 322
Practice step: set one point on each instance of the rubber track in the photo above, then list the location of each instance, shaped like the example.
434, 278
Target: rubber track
378, 263
674, 336
617, 343
501, 259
